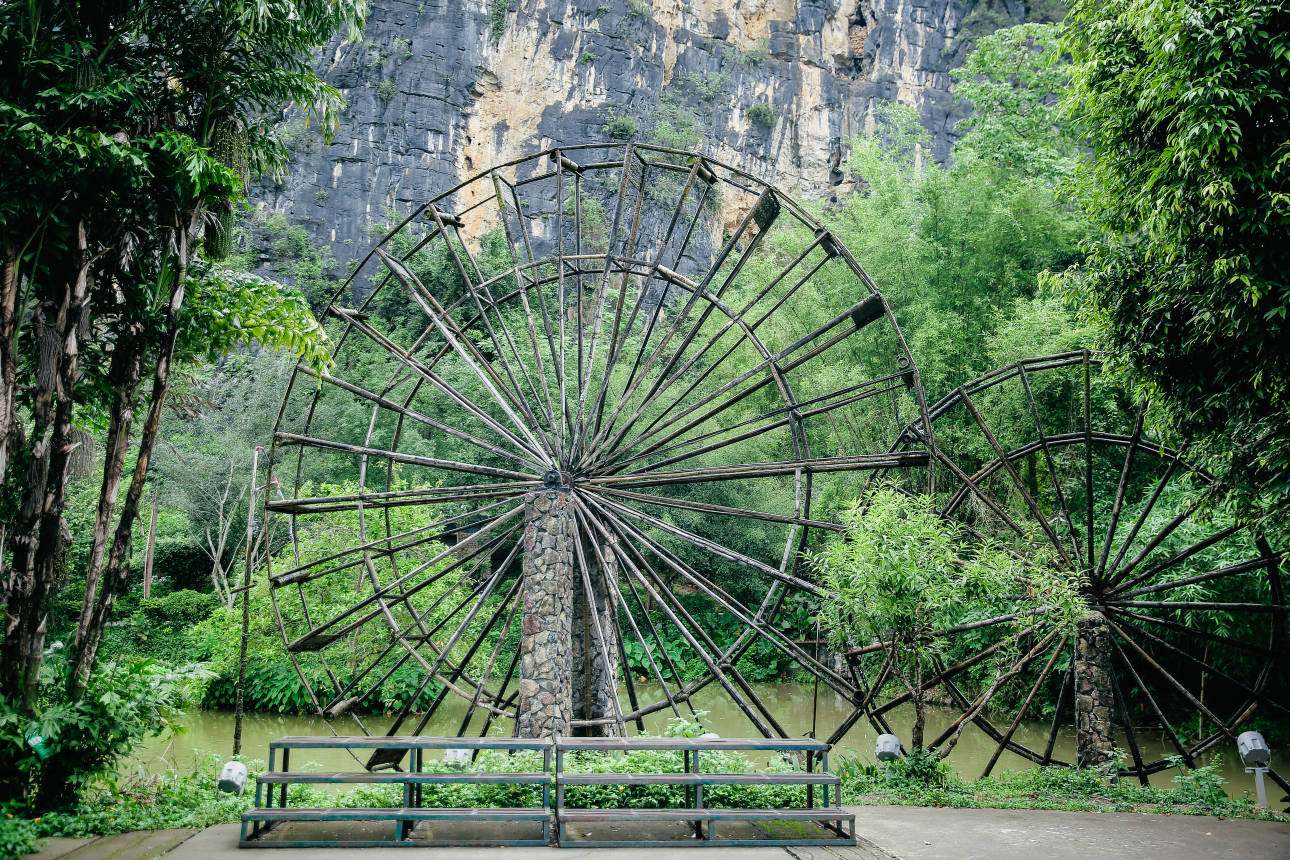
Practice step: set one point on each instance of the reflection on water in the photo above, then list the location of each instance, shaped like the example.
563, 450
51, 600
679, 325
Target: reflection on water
791, 703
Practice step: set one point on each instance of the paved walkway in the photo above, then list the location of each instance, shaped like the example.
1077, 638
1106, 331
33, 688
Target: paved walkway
886, 833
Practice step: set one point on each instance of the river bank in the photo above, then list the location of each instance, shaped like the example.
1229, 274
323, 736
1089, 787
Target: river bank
212, 732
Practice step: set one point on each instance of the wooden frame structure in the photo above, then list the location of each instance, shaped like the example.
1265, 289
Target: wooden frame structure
271, 807
839, 826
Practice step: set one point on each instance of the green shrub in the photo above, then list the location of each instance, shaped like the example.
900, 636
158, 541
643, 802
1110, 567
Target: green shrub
621, 126
586, 57
17, 836
124, 703
497, 12
387, 89
153, 802
761, 114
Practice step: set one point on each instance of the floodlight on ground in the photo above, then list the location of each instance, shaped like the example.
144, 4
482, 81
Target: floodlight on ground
1256, 757
888, 748
232, 778
456, 758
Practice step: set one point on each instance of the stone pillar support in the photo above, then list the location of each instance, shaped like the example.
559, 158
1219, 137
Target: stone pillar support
1094, 696
596, 663
545, 693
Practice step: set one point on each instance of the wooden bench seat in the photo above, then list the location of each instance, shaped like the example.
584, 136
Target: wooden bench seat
394, 813
699, 779
402, 778
834, 825
819, 813
271, 792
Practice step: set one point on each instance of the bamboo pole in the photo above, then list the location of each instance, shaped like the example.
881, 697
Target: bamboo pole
246, 605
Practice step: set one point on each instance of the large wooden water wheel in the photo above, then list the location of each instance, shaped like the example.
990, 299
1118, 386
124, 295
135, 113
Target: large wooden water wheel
646, 346
1042, 458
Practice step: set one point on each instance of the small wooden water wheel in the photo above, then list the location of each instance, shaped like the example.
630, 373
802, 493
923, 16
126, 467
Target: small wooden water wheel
591, 400
1185, 640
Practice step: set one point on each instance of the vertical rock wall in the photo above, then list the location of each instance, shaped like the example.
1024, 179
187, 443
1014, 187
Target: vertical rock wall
440, 89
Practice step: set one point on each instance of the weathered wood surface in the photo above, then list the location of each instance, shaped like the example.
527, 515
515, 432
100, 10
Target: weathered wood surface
715, 744
699, 779
409, 743
400, 778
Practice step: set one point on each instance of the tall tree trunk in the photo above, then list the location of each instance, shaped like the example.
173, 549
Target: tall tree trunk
8, 353
38, 536
90, 632
125, 375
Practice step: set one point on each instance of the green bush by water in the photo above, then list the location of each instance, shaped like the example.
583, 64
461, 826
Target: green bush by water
924, 780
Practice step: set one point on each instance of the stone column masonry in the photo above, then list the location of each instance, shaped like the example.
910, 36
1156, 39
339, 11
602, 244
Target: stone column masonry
1094, 699
545, 694
595, 680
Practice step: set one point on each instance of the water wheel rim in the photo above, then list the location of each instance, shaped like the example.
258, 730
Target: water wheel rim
731, 651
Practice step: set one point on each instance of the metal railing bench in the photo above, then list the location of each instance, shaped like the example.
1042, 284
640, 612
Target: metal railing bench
271, 806
838, 825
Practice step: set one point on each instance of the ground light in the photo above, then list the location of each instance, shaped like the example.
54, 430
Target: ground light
888, 748
1256, 757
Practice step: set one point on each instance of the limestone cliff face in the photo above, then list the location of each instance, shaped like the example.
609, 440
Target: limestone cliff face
440, 89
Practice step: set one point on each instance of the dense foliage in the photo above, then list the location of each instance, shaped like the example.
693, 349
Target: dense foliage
902, 573
127, 130
1185, 106
1185, 192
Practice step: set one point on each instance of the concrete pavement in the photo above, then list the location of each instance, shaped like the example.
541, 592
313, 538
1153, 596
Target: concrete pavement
886, 833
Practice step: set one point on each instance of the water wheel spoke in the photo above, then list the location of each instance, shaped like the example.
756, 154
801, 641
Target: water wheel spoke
1205, 665
638, 371
1067, 683
527, 445
1130, 733
1099, 571
612, 588
397, 586
1025, 706
1208, 576
1194, 549
404, 411
483, 591
1204, 605
723, 599
1016, 479
695, 635
499, 494
1053, 474
1089, 524
282, 438
973, 712
506, 398
942, 676
708, 507
760, 375
599, 634
602, 295
519, 271
1172, 733
663, 378
710, 546
736, 321
1196, 632
1118, 580
760, 425
1173, 682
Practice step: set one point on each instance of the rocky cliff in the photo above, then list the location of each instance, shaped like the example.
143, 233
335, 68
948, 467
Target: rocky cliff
439, 89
